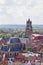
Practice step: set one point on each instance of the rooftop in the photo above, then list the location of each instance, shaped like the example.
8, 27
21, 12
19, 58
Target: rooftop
15, 40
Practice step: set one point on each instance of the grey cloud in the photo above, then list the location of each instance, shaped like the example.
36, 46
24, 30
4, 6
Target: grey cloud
17, 11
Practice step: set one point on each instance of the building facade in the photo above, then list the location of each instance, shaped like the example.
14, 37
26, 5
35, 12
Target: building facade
14, 45
28, 32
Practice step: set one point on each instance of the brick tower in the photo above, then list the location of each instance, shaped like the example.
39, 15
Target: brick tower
28, 32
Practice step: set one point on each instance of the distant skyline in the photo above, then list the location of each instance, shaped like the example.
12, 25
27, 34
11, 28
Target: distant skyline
18, 11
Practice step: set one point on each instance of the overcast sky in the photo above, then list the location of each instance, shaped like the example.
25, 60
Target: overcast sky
18, 11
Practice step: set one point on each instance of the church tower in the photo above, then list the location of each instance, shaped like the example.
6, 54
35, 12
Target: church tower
28, 32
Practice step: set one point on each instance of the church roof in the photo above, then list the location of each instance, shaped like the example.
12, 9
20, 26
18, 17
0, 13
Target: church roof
24, 40
18, 40
14, 40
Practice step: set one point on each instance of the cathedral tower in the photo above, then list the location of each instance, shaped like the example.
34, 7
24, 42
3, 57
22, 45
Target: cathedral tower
28, 32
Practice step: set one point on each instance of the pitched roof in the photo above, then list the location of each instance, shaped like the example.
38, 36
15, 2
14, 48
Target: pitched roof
14, 40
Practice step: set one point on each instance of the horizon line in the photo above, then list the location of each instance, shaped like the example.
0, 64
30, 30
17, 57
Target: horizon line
20, 24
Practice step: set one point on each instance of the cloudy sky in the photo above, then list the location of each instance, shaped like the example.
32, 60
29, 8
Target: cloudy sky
18, 11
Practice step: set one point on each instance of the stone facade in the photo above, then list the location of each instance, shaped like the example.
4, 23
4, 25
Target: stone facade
28, 33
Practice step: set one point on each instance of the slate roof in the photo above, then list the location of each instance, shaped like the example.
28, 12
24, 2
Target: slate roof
14, 40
